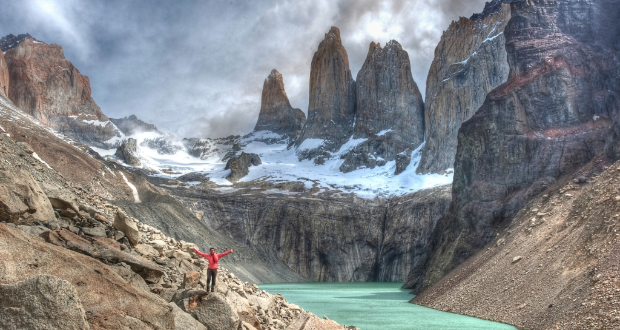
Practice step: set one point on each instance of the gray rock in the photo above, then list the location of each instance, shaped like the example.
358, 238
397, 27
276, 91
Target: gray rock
184, 321
62, 198
402, 162
215, 313
470, 61
95, 231
130, 125
124, 271
34, 230
127, 152
41, 302
240, 166
388, 103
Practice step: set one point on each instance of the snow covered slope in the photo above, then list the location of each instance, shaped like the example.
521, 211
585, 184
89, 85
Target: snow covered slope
279, 164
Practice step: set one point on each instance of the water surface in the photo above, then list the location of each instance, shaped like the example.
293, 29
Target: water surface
374, 306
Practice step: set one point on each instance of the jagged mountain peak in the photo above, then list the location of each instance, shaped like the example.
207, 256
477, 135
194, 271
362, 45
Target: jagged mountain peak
11, 41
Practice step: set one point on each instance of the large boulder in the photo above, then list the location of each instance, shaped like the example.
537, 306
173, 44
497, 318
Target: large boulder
62, 198
127, 152
123, 223
184, 321
108, 300
240, 166
41, 302
21, 199
215, 312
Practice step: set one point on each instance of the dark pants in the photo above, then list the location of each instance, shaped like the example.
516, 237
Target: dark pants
211, 277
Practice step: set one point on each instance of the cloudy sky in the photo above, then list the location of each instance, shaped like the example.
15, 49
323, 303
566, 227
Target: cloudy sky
196, 68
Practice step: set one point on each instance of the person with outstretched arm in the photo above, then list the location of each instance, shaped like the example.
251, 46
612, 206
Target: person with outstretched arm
213, 259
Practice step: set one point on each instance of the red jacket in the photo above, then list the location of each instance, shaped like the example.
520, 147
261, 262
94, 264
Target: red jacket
213, 258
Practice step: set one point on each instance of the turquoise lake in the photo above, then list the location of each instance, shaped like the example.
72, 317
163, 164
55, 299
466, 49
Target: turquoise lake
374, 306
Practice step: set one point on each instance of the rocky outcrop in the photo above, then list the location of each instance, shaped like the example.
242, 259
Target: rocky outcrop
22, 200
331, 111
4, 76
132, 125
390, 109
470, 61
11, 41
41, 302
557, 111
329, 239
47, 86
127, 152
239, 166
276, 113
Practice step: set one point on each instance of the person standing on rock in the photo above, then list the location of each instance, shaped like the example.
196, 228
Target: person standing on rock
213, 259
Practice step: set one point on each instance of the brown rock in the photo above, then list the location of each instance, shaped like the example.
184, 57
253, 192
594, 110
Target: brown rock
109, 301
123, 223
150, 271
21, 198
276, 113
331, 110
190, 280
47, 86
4, 76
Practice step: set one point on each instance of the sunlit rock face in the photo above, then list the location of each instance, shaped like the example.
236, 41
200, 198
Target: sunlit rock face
276, 113
390, 109
331, 110
470, 61
557, 111
4, 76
47, 86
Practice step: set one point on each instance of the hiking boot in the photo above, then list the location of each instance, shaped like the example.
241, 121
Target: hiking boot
213, 289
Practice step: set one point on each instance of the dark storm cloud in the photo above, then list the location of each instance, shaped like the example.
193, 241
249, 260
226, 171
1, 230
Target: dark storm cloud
196, 68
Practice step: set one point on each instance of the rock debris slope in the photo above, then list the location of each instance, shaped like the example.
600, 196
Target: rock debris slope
276, 113
115, 272
47, 86
557, 111
470, 61
390, 109
555, 267
331, 110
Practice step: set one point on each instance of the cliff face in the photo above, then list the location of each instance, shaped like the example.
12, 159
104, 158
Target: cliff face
276, 113
470, 61
4, 76
47, 86
557, 111
329, 239
390, 109
331, 111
